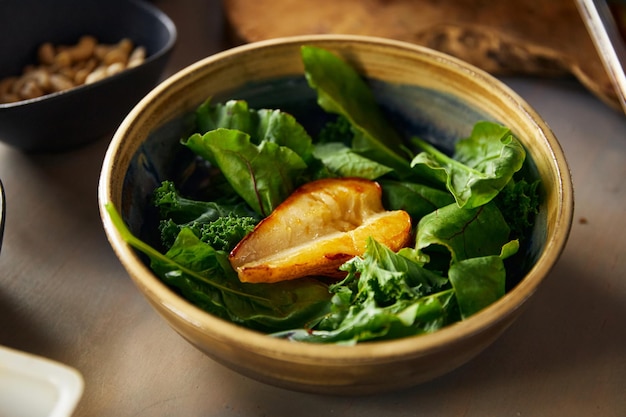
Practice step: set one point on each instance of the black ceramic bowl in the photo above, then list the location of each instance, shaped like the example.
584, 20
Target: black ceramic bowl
74, 117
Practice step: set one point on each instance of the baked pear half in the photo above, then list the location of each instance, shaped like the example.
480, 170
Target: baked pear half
320, 226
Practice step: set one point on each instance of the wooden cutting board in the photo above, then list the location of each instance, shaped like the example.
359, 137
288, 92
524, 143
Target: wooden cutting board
544, 38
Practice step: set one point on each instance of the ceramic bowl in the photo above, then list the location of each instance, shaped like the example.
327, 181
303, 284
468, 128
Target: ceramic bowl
436, 96
74, 117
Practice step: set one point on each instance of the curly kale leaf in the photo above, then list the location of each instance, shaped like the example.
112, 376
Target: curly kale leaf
385, 295
338, 130
519, 204
222, 234
203, 276
219, 225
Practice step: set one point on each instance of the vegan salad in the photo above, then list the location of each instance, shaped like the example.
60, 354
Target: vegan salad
469, 212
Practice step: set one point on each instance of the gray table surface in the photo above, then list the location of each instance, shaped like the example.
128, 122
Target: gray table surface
65, 296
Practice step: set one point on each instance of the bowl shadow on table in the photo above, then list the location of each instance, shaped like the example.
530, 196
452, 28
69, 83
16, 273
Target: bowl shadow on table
18, 331
73, 174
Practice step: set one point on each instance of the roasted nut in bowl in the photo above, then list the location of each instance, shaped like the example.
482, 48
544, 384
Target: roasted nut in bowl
72, 113
429, 94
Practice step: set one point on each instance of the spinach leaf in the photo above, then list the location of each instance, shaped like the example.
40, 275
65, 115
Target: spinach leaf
263, 125
466, 233
341, 90
234, 114
256, 306
416, 199
344, 162
263, 175
481, 166
479, 282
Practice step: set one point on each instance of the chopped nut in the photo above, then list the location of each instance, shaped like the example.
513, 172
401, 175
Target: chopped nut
60, 82
96, 75
136, 57
62, 67
46, 53
115, 68
30, 89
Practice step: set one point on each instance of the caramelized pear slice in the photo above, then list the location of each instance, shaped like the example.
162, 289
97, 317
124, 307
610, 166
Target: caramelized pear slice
316, 229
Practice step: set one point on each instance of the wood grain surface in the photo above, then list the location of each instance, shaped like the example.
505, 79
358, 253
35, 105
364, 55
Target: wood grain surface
527, 37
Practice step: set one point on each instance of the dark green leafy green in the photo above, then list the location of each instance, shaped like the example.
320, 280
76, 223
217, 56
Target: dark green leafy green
341, 90
203, 276
468, 211
342, 161
385, 295
337, 130
173, 205
261, 125
219, 224
262, 153
479, 282
466, 233
416, 199
481, 166
519, 203
263, 175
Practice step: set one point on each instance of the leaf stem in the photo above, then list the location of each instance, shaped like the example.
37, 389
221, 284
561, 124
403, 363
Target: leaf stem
138, 244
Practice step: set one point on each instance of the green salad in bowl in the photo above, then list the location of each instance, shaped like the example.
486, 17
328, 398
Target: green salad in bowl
314, 212
345, 230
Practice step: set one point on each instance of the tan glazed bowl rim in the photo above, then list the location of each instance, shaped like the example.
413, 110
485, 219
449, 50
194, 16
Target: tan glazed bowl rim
153, 110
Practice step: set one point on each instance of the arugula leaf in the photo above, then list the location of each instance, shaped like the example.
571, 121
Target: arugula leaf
341, 90
263, 175
481, 166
